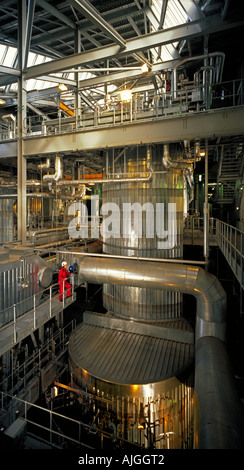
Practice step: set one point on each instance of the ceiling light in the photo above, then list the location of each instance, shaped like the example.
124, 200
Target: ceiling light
2, 101
144, 68
125, 95
62, 87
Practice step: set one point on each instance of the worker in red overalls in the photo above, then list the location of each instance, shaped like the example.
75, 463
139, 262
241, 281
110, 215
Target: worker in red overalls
62, 280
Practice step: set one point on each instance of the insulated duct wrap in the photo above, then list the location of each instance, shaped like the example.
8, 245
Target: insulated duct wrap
165, 187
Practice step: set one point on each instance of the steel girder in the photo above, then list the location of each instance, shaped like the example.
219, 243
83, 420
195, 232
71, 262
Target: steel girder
217, 123
189, 30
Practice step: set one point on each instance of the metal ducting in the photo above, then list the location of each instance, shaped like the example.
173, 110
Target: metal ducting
221, 425
58, 171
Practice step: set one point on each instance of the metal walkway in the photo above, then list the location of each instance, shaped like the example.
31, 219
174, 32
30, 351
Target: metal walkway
23, 326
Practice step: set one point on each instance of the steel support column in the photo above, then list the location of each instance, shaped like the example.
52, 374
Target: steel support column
21, 160
77, 42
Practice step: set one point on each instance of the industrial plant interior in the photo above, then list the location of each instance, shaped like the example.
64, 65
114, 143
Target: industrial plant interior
121, 224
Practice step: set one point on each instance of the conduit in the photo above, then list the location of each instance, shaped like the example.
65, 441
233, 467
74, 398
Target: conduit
220, 409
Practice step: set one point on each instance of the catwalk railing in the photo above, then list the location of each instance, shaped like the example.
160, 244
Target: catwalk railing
22, 373
229, 239
10, 316
61, 431
191, 98
231, 242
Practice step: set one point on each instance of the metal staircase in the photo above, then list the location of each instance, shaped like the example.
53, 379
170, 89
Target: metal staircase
230, 172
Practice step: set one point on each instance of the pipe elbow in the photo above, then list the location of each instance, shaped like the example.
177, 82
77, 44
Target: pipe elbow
211, 297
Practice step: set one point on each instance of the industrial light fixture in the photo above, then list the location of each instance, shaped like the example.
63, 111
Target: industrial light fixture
202, 154
62, 87
2, 101
125, 95
144, 68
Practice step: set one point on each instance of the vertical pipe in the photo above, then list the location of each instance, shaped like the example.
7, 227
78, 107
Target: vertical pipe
34, 311
206, 210
15, 336
50, 301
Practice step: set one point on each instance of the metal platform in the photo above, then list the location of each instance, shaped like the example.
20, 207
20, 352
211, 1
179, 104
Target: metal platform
14, 332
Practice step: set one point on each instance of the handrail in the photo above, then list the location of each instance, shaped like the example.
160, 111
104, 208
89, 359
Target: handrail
231, 242
21, 374
77, 425
229, 239
225, 94
35, 306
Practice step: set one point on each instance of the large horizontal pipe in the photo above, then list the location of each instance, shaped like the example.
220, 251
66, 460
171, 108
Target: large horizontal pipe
221, 426
211, 297
106, 180
14, 196
138, 258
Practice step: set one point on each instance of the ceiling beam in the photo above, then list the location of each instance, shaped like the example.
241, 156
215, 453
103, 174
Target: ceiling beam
53, 79
163, 13
126, 74
56, 13
94, 16
9, 71
145, 42
193, 10
29, 24
154, 21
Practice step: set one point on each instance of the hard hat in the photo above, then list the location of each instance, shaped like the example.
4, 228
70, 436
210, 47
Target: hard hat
64, 263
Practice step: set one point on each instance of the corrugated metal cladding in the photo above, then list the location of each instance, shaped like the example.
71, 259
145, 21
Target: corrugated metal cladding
128, 357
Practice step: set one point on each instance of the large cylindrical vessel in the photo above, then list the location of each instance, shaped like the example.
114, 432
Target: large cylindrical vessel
138, 357
147, 229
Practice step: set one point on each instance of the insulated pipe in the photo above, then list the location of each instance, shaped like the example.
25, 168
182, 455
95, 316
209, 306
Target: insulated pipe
221, 425
44, 165
169, 163
8, 196
106, 180
58, 171
191, 59
211, 298
180, 165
